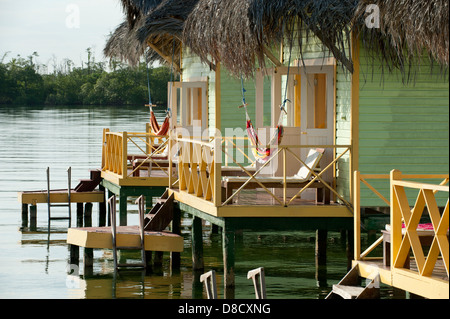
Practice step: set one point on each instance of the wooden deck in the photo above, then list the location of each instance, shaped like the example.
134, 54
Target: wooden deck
434, 286
255, 203
101, 237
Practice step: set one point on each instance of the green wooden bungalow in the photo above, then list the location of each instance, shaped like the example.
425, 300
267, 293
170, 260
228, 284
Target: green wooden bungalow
365, 80
383, 71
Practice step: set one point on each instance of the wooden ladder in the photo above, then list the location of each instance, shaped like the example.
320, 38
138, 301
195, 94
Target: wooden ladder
141, 207
161, 214
349, 287
49, 203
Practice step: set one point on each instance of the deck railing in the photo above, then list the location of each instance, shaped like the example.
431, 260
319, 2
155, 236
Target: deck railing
358, 180
125, 153
406, 239
200, 168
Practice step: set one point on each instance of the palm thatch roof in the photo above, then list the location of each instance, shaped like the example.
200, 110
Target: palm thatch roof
240, 33
152, 28
408, 29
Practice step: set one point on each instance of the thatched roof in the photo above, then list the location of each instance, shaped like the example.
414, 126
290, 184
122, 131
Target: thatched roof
155, 26
135, 9
407, 30
239, 32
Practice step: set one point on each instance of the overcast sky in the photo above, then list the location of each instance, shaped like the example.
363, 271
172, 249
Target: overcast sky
60, 28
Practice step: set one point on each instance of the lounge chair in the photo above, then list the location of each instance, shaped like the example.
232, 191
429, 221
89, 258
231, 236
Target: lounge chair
299, 180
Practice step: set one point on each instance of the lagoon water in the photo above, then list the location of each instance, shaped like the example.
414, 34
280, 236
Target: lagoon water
34, 263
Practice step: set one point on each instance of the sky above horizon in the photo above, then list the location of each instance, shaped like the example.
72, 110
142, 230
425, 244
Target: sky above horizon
57, 28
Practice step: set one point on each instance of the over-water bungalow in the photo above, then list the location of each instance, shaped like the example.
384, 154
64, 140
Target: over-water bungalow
300, 115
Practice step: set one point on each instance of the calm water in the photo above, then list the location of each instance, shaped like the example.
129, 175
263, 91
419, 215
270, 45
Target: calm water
34, 264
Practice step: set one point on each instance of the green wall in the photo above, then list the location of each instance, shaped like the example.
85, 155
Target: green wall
402, 126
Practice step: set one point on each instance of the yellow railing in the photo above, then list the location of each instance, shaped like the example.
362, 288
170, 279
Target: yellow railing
200, 168
358, 180
404, 240
121, 149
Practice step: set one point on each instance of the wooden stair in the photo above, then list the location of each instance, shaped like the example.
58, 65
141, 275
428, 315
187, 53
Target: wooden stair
88, 185
161, 214
116, 248
350, 288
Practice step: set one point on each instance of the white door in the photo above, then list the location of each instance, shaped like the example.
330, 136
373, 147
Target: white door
317, 111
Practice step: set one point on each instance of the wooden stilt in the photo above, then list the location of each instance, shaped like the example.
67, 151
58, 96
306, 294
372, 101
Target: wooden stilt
88, 215
24, 215
228, 245
88, 259
321, 246
197, 244
79, 214
74, 254
102, 209
158, 259
122, 210
33, 217
175, 257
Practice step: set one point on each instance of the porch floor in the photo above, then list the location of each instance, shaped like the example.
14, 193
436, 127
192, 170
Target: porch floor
258, 203
435, 286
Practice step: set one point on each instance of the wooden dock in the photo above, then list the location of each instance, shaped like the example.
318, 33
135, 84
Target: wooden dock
101, 238
61, 196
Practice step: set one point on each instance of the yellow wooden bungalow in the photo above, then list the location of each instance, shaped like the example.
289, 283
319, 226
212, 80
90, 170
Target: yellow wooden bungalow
284, 113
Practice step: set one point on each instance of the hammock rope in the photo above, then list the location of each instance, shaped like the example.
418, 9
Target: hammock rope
262, 152
157, 129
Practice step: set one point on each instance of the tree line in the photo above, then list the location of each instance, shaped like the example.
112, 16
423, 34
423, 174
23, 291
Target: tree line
23, 81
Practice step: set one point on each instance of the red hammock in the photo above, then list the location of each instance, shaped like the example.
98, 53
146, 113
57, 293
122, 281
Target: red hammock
156, 128
262, 153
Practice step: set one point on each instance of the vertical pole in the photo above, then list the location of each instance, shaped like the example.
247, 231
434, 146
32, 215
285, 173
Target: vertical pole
396, 218
24, 215
321, 257
124, 154
357, 214
284, 175
321, 246
74, 254
88, 215
228, 246
175, 257
102, 208
197, 244
169, 169
79, 214
122, 209
88, 258
33, 217
217, 170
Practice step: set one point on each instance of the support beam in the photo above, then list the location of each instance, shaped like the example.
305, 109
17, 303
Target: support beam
33, 217
228, 247
24, 215
197, 244
175, 257
321, 246
102, 209
122, 209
